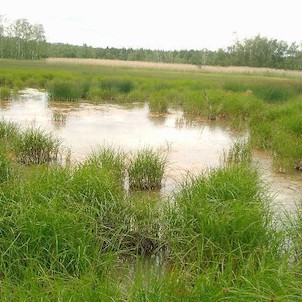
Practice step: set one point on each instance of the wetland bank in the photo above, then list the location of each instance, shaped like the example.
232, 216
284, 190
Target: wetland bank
75, 231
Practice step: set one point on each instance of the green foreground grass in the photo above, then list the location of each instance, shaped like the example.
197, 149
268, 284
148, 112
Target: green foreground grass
79, 233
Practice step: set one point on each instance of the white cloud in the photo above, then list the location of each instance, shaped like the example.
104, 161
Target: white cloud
159, 24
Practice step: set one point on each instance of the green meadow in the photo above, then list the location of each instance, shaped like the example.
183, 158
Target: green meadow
100, 230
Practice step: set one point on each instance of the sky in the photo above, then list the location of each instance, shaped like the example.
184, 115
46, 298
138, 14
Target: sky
159, 24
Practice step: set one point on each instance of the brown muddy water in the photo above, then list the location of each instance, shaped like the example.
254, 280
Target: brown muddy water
192, 146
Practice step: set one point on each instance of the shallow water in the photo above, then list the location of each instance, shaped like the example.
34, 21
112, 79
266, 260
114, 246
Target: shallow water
192, 146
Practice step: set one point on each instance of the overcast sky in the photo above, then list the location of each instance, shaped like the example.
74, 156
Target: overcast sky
159, 24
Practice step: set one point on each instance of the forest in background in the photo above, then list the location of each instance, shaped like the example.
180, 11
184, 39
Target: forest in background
20, 39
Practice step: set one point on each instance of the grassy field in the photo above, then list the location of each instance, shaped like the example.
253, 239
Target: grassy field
100, 231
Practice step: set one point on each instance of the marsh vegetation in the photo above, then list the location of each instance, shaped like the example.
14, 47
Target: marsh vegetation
76, 231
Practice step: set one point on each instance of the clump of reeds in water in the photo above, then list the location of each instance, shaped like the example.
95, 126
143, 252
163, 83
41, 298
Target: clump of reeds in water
146, 169
58, 117
35, 146
240, 152
158, 104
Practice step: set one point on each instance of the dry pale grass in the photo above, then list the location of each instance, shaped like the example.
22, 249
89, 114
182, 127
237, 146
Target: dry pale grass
179, 67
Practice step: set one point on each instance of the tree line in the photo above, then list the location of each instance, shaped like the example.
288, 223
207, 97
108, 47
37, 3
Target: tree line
21, 40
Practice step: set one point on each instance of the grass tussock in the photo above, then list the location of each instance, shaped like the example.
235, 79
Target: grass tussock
65, 91
35, 146
76, 232
158, 104
146, 169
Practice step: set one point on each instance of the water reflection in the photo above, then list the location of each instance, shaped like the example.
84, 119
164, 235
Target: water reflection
157, 119
284, 189
5, 104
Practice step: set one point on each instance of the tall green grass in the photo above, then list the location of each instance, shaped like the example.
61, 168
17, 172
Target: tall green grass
240, 152
8, 130
65, 91
221, 218
5, 165
273, 93
64, 231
